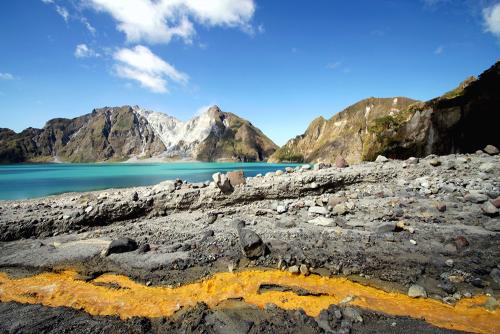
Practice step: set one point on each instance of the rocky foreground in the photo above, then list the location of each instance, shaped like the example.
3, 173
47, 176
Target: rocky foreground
428, 228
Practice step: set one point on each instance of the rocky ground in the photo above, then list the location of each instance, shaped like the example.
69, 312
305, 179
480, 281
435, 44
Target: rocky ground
423, 227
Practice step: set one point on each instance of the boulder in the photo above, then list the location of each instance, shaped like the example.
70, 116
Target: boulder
121, 245
491, 150
251, 244
340, 162
236, 177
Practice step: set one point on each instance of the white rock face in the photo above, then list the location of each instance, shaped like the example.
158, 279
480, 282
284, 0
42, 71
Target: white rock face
180, 138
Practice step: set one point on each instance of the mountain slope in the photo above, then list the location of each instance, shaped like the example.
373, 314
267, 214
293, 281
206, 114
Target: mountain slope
121, 133
346, 133
463, 120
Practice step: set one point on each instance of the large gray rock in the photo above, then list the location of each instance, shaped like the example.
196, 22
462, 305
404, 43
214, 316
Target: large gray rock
222, 182
251, 244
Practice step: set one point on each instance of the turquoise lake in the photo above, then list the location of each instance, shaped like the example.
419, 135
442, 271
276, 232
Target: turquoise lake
36, 180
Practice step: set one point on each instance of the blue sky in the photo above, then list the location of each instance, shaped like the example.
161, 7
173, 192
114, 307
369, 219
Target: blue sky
279, 64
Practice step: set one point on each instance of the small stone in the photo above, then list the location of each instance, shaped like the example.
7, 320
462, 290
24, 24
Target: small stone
320, 210
487, 167
281, 209
495, 275
321, 165
492, 225
340, 209
352, 314
144, 248
449, 262
279, 172
381, 159
441, 207
340, 162
305, 167
135, 196
416, 291
412, 161
89, 209
496, 202
294, 269
385, 227
489, 209
491, 150
413, 242
322, 221
434, 162
461, 242
289, 170
304, 270
475, 197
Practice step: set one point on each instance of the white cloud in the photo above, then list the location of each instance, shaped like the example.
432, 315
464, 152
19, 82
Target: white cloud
491, 16
83, 51
161, 20
439, 50
63, 12
87, 25
6, 76
142, 65
48, 1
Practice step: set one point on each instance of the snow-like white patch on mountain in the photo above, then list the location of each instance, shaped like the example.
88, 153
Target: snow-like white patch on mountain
179, 138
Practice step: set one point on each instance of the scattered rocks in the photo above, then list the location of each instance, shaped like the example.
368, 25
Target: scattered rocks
491, 150
416, 291
122, 245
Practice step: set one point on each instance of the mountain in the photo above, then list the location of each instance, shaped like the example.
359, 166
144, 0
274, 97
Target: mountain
122, 133
346, 134
463, 120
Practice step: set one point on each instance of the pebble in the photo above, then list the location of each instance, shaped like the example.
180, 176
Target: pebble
413, 242
489, 209
281, 209
294, 269
304, 270
449, 262
434, 162
320, 210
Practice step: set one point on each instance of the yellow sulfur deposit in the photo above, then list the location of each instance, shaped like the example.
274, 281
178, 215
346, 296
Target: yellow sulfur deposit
118, 295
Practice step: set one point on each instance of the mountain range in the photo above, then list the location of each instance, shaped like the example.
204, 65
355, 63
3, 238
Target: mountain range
124, 133
461, 121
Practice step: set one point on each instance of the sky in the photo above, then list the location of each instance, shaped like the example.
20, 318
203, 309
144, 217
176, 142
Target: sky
279, 64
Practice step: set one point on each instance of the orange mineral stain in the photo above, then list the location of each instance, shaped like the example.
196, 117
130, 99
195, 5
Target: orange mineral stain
118, 295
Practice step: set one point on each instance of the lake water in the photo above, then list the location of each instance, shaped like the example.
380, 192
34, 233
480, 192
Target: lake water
35, 180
